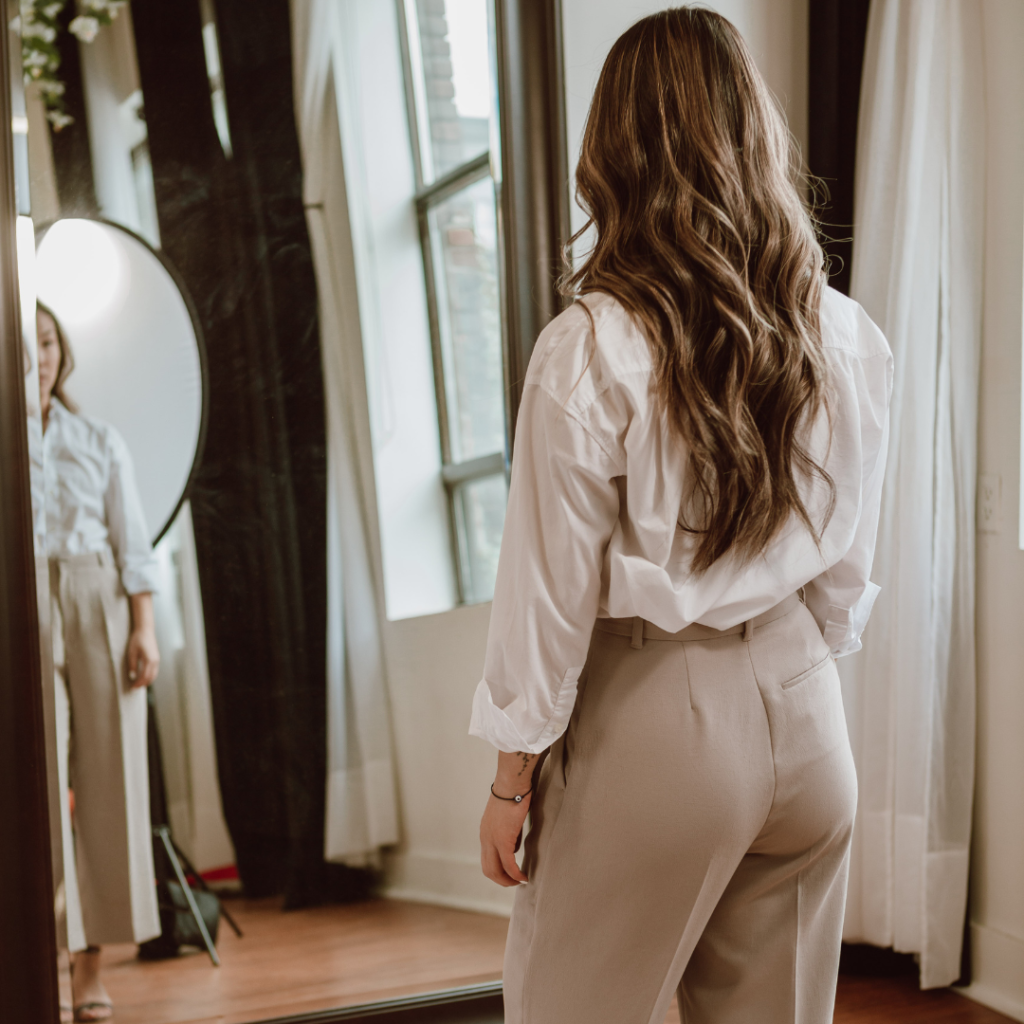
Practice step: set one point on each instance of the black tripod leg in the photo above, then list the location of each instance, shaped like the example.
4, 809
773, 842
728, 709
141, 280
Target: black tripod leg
183, 882
202, 885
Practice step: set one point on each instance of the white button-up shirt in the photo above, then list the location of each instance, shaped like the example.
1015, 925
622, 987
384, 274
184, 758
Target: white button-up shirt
89, 502
591, 529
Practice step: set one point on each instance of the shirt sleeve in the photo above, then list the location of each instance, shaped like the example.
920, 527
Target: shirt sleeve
562, 508
126, 523
842, 597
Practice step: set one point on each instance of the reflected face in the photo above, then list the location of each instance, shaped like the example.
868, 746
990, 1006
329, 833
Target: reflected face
48, 344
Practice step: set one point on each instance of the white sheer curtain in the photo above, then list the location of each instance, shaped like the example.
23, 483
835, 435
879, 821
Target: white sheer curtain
362, 810
917, 271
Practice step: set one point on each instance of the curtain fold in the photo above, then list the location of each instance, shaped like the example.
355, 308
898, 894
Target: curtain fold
917, 271
361, 813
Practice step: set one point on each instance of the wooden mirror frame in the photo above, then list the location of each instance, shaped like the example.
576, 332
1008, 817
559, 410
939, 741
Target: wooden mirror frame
535, 215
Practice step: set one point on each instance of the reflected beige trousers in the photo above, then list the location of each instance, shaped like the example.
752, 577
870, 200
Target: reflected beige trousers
690, 833
109, 889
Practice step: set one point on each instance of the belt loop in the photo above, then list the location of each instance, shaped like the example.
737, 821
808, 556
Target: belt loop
748, 631
637, 640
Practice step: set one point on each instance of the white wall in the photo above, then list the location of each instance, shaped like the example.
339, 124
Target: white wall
775, 31
434, 662
997, 890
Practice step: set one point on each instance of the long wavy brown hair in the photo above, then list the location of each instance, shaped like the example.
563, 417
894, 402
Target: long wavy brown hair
690, 180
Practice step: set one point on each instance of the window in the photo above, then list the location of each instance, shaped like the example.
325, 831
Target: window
449, 61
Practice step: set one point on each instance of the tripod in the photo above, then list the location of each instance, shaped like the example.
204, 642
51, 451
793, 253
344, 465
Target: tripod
168, 849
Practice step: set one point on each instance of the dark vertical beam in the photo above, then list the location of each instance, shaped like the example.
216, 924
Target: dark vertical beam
837, 31
256, 55
535, 177
234, 494
236, 231
28, 941
72, 151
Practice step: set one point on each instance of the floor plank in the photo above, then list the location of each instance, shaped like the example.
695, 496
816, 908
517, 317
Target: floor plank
308, 960
881, 1000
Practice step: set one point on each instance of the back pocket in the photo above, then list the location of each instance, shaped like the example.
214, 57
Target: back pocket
796, 680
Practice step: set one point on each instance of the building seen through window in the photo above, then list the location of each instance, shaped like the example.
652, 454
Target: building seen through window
449, 48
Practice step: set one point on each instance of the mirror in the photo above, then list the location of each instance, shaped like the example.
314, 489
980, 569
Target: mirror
215, 248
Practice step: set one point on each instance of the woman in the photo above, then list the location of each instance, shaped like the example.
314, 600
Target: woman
690, 528
102, 576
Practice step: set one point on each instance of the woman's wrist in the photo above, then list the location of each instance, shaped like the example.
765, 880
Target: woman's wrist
142, 611
514, 776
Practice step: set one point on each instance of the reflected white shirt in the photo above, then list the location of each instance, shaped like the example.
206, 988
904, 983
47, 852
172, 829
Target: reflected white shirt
91, 501
592, 523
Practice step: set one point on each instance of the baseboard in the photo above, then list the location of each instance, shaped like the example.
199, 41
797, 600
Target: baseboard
444, 880
997, 961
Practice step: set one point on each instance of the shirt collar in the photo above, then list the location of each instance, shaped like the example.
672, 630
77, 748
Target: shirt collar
58, 410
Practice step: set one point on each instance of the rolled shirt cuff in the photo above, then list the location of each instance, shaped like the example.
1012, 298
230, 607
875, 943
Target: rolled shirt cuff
141, 579
499, 727
844, 626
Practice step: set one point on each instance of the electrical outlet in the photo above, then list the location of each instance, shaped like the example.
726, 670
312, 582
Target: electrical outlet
990, 502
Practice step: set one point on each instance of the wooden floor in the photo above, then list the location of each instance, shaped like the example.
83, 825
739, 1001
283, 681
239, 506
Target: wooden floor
899, 1001
307, 960
327, 957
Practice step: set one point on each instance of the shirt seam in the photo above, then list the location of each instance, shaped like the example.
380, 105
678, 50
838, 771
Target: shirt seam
554, 707
575, 416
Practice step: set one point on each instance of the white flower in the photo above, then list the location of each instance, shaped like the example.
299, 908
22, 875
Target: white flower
108, 8
36, 30
49, 87
52, 10
59, 119
34, 59
85, 28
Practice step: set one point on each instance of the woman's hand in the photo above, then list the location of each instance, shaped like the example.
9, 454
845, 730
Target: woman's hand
143, 654
503, 820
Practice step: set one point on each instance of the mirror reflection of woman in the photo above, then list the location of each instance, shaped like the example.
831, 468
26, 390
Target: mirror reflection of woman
102, 577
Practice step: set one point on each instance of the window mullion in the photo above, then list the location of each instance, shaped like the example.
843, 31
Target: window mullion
434, 316
415, 102
474, 469
455, 180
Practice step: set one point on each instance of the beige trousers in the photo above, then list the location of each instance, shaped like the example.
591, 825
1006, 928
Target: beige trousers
109, 888
690, 833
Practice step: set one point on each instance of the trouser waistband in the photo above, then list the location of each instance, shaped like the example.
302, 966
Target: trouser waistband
94, 558
639, 629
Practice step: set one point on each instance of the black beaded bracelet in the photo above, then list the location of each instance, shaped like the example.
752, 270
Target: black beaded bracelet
511, 799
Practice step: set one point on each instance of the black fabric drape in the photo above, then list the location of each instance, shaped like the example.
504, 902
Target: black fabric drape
236, 230
72, 155
837, 33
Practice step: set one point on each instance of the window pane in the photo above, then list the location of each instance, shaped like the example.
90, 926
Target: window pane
463, 230
450, 44
479, 517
